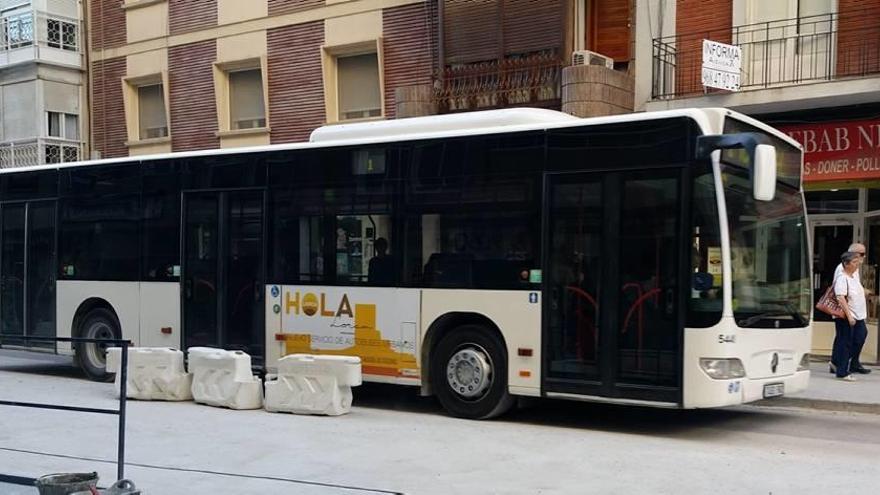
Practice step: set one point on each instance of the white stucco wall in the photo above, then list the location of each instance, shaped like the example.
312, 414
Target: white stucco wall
654, 19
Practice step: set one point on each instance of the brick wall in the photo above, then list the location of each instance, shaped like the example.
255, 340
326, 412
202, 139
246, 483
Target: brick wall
407, 38
296, 89
193, 107
107, 24
277, 7
108, 111
694, 21
858, 39
191, 15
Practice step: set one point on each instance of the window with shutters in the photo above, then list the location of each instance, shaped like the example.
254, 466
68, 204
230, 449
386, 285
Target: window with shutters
152, 121
247, 109
353, 81
146, 114
358, 88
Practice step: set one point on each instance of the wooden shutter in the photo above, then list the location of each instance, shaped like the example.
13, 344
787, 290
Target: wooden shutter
532, 25
471, 31
611, 28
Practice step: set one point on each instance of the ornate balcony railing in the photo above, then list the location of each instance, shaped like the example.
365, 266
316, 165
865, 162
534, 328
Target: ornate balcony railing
26, 35
778, 53
532, 80
24, 153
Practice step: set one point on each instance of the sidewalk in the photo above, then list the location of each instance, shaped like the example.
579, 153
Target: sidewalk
829, 393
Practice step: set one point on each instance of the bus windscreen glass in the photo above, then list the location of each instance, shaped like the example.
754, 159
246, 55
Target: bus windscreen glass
768, 241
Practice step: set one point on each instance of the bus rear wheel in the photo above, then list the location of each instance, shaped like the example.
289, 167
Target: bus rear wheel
99, 323
469, 373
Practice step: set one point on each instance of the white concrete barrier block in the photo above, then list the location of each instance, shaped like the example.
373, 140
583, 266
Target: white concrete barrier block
307, 384
224, 379
154, 373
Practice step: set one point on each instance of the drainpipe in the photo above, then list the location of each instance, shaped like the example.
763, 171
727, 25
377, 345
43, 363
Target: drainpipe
441, 51
87, 79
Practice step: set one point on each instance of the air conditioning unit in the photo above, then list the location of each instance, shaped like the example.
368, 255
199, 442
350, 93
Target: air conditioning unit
586, 57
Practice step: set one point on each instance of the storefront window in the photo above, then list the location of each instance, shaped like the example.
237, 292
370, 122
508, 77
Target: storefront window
873, 199
845, 201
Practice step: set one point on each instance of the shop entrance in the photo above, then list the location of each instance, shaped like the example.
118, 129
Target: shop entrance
831, 238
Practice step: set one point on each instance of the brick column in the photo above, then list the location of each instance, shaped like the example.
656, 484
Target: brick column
414, 101
592, 90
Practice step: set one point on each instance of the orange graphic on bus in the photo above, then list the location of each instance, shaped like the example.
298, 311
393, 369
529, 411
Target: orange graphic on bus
378, 356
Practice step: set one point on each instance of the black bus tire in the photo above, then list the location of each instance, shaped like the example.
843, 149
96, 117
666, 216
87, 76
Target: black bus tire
469, 373
99, 323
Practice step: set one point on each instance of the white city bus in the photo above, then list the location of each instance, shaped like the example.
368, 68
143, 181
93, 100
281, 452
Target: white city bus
652, 258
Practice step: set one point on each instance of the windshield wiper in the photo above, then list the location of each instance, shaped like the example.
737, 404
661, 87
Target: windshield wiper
751, 320
795, 314
790, 310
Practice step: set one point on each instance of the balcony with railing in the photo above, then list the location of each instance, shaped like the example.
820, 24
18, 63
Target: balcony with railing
776, 54
29, 35
24, 153
527, 80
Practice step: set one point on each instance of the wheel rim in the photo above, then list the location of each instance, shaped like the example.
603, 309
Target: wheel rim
97, 352
469, 372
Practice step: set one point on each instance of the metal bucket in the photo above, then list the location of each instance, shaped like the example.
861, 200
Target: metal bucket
67, 483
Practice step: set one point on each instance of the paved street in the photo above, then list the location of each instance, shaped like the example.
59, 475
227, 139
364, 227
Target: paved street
396, 442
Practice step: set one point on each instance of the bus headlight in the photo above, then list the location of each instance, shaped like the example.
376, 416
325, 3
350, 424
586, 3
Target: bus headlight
804, 365
723, 369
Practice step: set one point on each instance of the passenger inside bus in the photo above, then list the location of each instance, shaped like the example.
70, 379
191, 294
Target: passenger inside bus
381, 268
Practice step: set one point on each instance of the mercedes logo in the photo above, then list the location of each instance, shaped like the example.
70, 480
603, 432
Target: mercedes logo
774, 363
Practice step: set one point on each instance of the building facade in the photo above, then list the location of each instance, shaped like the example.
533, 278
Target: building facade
810, 68
176, 75
42, 90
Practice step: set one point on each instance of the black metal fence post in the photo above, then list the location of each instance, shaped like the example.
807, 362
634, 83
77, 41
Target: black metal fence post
123, 392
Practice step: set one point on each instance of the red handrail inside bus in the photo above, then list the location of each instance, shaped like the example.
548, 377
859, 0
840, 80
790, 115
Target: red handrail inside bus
637, 304
579, 338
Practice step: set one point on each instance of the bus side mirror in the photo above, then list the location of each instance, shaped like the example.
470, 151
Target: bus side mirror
759, 159
764, 173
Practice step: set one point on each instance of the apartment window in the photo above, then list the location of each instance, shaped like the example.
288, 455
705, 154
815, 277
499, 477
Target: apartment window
247, 109
63, 125
17, 31
61, 34
152, 122
358, 86
56, 153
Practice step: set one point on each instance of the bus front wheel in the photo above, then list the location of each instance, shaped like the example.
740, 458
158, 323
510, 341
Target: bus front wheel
99, 323
469, 373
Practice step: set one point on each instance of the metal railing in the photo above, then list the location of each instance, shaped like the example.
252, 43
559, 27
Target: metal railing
39, 151
123, 381
777, 53
533, 79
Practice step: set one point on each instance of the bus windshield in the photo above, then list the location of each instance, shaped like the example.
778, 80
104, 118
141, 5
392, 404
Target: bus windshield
768, 243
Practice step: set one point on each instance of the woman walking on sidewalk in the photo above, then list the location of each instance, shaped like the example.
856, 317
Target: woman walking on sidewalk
850, 331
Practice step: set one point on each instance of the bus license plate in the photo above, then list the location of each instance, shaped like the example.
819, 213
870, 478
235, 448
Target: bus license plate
773, 390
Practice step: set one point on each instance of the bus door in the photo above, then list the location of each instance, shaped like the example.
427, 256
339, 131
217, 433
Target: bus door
614, 245
27, 272
222, 277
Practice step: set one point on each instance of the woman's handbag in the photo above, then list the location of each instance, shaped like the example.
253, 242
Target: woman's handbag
829, 304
